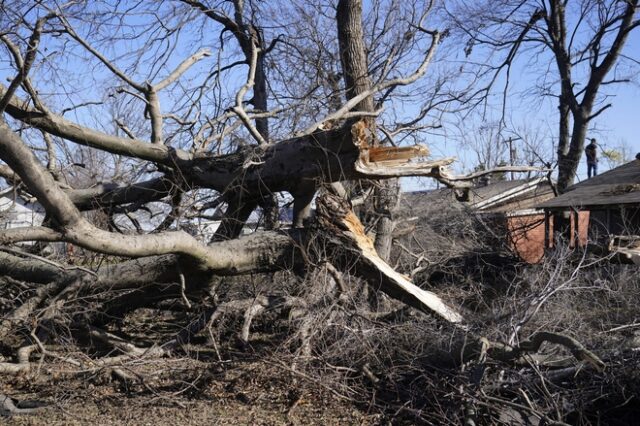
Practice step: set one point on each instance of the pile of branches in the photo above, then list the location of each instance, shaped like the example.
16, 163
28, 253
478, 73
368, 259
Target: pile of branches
320, 295
321, 323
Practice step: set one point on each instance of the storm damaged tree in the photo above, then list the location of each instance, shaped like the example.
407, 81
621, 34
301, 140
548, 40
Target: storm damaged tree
190, 143
583, 42
160, 125
357, 80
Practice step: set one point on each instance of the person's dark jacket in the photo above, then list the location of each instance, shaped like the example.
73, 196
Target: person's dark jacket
592, 155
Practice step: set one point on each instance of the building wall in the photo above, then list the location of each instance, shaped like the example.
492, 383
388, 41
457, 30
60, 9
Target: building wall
13, 214
583, 227
527, 236
594, 226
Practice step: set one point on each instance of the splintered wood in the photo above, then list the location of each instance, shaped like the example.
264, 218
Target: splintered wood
336, 215
382, 155
384, 162
390, 156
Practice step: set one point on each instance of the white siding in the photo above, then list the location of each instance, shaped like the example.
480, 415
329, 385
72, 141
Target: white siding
206, 228
17, 213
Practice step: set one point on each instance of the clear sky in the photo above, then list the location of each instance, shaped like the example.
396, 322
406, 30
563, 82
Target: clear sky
617, 128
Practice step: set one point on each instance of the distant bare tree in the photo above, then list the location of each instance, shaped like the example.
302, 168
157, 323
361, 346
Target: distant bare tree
582, 41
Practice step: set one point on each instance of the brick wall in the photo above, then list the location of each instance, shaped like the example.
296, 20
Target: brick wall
526, 236
583, 227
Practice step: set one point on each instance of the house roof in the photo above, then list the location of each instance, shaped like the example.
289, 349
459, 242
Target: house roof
499, 197
509, 196
418, 203
614, 187
487, 192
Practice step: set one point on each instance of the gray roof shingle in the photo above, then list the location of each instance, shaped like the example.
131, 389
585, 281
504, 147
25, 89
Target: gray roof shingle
501, 196
616, 186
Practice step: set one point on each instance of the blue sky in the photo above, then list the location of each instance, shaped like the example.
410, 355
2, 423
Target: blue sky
617, 128
618, 125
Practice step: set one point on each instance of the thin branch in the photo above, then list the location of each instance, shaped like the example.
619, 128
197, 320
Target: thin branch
23, 72
600, 111
154, 114
239, 108
182, 68
121, 75
400, 81
125, 129
60, 126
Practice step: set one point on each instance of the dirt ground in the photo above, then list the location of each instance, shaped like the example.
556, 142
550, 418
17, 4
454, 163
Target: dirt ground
250, 393
123, 411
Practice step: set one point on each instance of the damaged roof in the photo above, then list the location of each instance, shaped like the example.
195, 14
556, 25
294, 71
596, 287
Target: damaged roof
499, 197
614, 187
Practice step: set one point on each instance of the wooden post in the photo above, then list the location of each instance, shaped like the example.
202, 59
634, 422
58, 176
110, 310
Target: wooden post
576, 227
547, 218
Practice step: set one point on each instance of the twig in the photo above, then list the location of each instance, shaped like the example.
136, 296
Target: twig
621, 327
23, 72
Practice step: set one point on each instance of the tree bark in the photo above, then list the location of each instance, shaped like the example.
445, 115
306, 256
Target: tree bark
353, 52
568, 163
570, 148
357, 81
387, 197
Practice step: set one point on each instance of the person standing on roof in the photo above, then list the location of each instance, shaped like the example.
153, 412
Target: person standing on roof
592, 158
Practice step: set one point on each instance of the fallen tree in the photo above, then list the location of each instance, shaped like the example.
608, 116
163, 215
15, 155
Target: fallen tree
47, 300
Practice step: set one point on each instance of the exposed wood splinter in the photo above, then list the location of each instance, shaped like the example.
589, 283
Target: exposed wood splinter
335, 214
375, 162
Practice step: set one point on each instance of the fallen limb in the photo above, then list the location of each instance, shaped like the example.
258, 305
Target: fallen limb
9, 408
335, 215
577, 349
507, 353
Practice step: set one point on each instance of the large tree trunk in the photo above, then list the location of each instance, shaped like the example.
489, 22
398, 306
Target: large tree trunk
568, 163
353, 54
387, 197
357, 80
563, 130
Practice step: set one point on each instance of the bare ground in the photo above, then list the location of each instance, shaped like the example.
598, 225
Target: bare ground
256, 393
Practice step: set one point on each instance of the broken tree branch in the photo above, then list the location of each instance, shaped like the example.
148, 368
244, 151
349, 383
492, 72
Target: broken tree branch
335, 215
